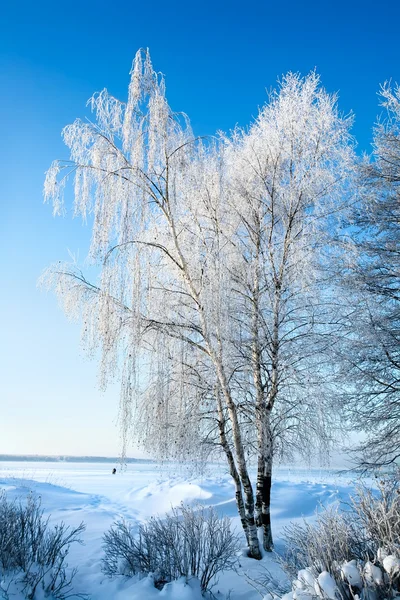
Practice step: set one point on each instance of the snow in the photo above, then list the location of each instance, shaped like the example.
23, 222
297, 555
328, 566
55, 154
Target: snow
381, 554
326, 586
306, 577
288, 596
303, 595
75, 492
352, 573
182, 590
373, 574
391, 564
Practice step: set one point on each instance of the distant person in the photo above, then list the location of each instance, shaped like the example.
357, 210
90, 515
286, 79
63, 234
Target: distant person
114, 471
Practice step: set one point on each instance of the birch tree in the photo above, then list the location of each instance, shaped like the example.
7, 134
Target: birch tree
288, 175
208, 298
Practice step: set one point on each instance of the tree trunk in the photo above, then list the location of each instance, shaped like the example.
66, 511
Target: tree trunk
264, 438
260, 477
263, 503
232, 468
264, 433
264, 479
253, 543
245, 509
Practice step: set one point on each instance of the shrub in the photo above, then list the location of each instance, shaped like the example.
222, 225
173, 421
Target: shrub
351, 553
191, 541
378, 515
32, 554
334, 538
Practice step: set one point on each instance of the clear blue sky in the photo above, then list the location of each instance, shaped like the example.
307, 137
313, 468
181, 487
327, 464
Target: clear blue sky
218, 58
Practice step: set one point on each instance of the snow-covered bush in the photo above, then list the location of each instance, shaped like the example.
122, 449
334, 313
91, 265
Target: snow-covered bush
378, 515
189, 542
350, 580
33, 554
333, 539
348, 554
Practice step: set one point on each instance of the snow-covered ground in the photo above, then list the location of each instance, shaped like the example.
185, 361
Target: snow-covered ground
75, 492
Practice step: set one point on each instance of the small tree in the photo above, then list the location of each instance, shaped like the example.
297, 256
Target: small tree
209, 255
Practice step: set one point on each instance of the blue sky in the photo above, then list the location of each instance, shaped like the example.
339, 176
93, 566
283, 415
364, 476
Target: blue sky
218, 59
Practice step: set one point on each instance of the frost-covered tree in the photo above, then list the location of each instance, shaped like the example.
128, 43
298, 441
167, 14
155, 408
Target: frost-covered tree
372, 349
209, 296
288, 176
